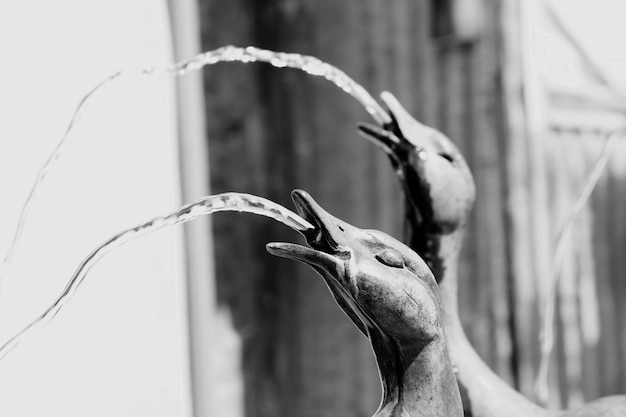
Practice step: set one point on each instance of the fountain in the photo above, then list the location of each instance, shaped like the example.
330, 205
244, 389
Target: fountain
216, 203
395, 397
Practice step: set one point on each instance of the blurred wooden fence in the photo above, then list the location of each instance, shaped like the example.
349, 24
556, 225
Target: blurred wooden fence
556, 131
285, 348
591, 335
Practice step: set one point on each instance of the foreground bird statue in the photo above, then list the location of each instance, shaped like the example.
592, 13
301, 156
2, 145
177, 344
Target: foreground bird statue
390, 294
439, 194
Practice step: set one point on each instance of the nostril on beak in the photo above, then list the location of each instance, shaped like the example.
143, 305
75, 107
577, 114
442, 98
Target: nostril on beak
446, 156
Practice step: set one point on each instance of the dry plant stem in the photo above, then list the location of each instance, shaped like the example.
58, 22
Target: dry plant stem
547, 330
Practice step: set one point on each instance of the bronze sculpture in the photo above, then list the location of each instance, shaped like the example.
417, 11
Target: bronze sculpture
439, 194
390, 294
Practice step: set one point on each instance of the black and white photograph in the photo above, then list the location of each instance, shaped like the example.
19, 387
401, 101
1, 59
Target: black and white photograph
300, 208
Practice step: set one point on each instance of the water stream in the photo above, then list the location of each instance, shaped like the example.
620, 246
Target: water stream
211, 204
308, 64
229, 53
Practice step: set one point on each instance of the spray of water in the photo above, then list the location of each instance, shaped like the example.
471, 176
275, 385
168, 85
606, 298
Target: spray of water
309, 64
221, 202
43, 171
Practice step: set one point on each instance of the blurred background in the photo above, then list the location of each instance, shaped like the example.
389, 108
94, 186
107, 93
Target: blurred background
201, 321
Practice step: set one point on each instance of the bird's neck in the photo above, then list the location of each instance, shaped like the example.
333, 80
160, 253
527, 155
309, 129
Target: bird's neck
441, 252
420, 383
485, 393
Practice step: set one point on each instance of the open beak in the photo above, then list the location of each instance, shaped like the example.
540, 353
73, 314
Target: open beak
379, 136
404, 134
393, 137
403, 124
323, 250
325, 255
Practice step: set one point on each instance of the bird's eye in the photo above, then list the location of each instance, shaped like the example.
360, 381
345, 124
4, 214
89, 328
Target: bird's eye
390, 258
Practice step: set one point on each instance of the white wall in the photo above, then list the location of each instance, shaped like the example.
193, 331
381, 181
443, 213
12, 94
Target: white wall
599, 26
119, 348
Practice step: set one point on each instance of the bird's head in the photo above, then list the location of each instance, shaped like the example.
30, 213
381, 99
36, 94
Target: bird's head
435, 178
384, 287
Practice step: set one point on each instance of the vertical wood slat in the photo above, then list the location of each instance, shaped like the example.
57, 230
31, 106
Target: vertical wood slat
617, 244
586, 314
558, 204
571, 171
588, 283
535, 108
519, 212
483, 98
236, 144
200, 267
601, 229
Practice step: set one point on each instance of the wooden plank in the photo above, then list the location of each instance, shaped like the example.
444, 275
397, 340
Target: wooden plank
518, 208
559, 204
231, 137
602, 253
616, 238
486, 102
588, 282
536, 111
573, 173
618, 170
200, 268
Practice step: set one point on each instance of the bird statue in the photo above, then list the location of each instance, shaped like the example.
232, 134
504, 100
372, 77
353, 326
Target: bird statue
390, 294
439, 194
